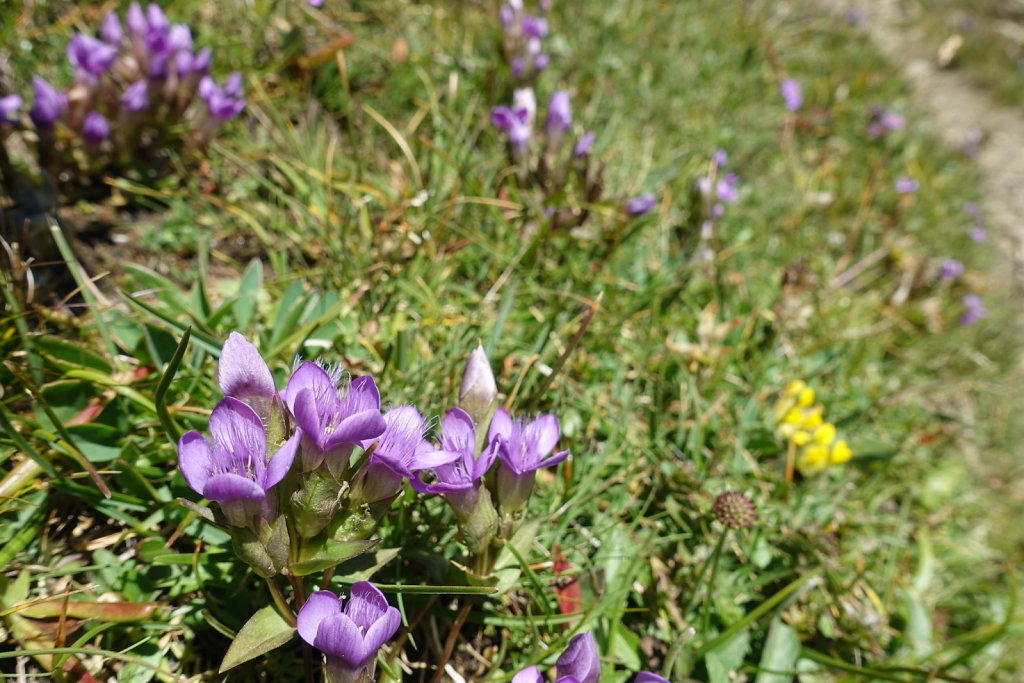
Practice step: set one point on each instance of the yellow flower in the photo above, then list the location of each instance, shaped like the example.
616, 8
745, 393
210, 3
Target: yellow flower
813, 458
825, 434
840, 453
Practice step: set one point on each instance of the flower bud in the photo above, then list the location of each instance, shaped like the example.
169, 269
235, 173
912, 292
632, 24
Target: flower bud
479, 390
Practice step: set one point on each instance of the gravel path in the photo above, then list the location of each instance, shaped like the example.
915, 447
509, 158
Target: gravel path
957, 107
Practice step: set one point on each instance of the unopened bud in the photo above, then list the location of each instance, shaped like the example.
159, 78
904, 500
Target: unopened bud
479, 390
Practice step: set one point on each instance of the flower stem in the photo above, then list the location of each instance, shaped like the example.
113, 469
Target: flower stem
280, 602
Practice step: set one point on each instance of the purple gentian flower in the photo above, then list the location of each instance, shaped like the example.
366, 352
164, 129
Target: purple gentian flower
95, 128
638, 206
232, 469
580, 660
507, 16
110, 30
222, 104
882, 122
978, 234
523, 448
316, 3
584, 144
559, 117
972, 208
541, 61
727, 188
458, 477
950, 269
349, 636
400, 450
49, 105
202, 62
649, 677
135, 20
974, 310
9, 106
157, 29
179, 38
720, 158
479, 388
517, 66
515, 124
534, 27
136, 97
905, 185
334, 419
792, 94
524, 98
89, 55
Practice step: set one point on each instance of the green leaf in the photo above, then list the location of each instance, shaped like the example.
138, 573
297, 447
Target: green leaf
627, 647
781, 650
97, 442
265, 631
248, 290
727, 657
160, 397
332, 554
150, 282
365, 566
65, 354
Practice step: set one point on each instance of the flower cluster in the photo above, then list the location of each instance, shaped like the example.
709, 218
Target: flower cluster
579, 663
803, 425
523, 40
320, 461
551, 159
140, 88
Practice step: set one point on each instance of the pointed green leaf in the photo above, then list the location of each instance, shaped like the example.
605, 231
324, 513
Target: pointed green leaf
264, 631
332, 554
781, 650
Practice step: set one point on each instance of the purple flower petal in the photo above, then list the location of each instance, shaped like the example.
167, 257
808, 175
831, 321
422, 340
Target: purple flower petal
337, 636
237, 429
281, 461
648, 677
318, 606
366, 604
228, 487
194, 460
792, 94
241, 370
542, 434
580, 659
528, 675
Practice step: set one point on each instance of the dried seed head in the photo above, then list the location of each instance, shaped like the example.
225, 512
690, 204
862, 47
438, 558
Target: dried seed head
734, 510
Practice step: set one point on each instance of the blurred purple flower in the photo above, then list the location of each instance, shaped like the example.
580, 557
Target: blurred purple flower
950, 269
792, 94
720, 158
223, 103
534, 27
110, 30
906, 185
882, 122
316, 3
972, 208
89, 55
584, 144
232, 469
49, 105
135, 21
351, 635
136, 98
640, 205
974, 310
515, 124
540, 62
978, 234
179, 38
95, 128
727, 188
9, 106
524, 98
559, 118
